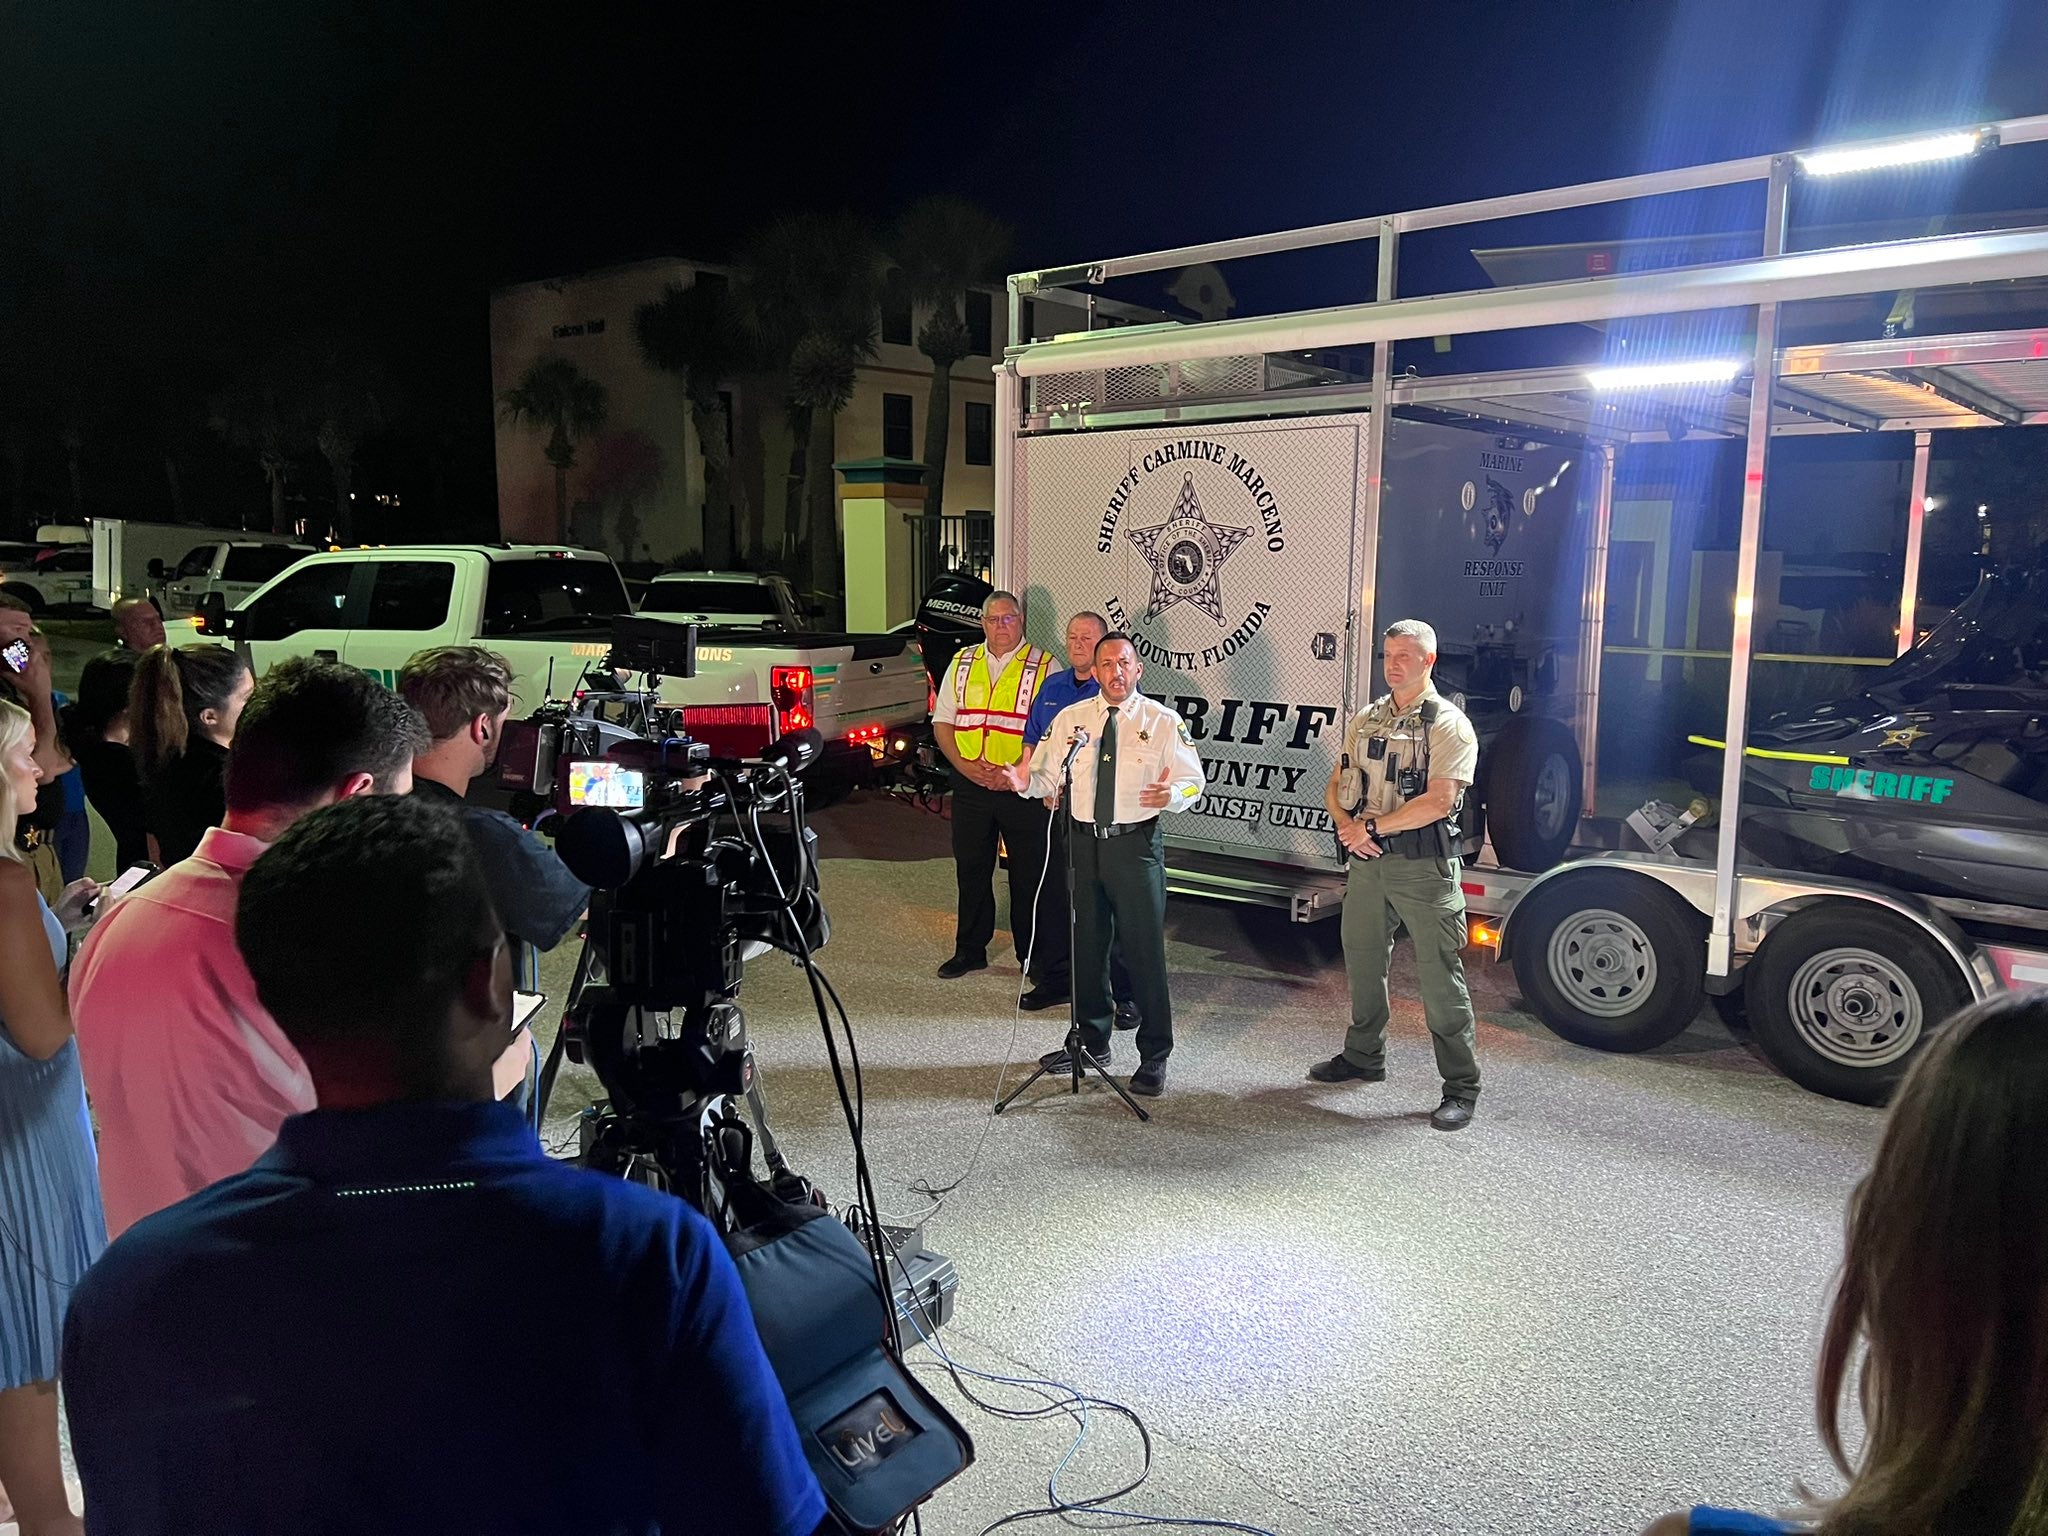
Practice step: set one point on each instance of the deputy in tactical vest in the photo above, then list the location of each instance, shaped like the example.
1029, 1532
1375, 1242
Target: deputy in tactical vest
1408, 759
978, 721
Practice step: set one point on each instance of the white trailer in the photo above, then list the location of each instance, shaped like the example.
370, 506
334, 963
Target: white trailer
131, 558
1243, 529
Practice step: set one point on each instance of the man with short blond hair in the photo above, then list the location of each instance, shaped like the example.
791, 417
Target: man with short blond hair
1408, 758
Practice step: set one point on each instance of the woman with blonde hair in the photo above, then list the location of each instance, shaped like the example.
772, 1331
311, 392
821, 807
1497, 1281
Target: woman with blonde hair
182, 710
51, 1227
1944, 1294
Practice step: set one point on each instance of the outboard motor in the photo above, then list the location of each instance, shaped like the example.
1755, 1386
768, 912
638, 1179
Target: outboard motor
949, 619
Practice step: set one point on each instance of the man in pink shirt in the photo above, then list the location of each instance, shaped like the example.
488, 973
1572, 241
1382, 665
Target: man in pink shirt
188, 1075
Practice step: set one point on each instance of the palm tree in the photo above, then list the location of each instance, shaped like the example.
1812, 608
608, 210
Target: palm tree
556, 397
693, 333
942, 244
810, 286
349, 409
259, 415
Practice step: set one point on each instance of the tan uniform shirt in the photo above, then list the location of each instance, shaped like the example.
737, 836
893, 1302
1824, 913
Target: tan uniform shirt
1448, 748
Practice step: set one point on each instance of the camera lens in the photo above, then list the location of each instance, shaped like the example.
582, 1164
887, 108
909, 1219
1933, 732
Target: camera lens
601, 847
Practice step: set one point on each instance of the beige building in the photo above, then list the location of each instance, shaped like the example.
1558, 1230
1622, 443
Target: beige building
637, 487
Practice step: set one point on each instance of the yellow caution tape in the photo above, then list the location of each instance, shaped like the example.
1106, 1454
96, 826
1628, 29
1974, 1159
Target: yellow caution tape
1783, 757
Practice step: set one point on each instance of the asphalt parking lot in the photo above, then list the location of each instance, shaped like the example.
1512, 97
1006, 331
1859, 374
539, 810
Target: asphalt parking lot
1599, 1302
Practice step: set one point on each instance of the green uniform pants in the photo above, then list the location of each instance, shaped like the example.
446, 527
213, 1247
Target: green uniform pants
1381, 897
1120, 900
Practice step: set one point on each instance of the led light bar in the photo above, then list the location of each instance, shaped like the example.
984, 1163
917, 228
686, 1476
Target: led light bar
1874, 157
1708, 370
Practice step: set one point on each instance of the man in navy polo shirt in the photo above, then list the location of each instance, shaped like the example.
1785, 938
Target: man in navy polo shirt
405, 1317
1084, 632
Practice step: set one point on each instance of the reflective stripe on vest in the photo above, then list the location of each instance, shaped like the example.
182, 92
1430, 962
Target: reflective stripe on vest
988, 719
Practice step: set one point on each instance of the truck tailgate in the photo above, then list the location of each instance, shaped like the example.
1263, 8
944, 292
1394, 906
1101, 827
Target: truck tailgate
858, 679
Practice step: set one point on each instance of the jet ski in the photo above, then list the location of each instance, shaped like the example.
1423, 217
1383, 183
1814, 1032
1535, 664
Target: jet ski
1933, 778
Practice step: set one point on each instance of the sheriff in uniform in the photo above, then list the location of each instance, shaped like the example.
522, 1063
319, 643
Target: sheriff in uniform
1408, 758
1133, 762
978, 723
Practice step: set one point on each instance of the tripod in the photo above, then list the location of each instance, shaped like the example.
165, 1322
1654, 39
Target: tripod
1078, 1059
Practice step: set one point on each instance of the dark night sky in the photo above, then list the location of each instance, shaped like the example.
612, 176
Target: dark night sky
179, 180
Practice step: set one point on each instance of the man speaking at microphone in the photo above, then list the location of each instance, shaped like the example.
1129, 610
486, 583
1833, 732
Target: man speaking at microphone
1130, 761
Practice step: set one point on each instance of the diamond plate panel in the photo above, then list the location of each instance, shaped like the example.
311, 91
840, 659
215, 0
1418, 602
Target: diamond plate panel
1228, 554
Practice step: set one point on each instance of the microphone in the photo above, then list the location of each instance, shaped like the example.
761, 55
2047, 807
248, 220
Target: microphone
1075, 743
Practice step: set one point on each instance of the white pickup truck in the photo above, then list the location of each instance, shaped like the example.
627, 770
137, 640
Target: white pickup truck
548, 610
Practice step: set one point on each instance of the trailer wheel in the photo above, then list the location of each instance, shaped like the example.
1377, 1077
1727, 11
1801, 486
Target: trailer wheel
1608, 960
1843, 994
1531, 786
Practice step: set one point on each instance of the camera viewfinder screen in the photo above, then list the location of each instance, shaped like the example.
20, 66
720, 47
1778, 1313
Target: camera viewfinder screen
610, 784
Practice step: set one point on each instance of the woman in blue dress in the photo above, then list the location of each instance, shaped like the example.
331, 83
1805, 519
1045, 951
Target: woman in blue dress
1939, 1327
51, 1227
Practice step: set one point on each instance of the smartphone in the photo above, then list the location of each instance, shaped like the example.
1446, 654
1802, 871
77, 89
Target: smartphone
607, 784
121, 885
15, 655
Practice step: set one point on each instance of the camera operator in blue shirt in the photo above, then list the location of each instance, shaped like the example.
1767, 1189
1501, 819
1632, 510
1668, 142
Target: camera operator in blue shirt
406, 1317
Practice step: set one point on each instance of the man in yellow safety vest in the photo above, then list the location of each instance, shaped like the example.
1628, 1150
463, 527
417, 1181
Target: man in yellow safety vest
978, 721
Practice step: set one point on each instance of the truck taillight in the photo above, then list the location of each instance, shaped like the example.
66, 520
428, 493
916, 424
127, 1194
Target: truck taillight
790, 688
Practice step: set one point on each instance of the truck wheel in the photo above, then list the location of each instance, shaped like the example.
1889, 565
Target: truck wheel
1531, 785
1610, 960
1843, 994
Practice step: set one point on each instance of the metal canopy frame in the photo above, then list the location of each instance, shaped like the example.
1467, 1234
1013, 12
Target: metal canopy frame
1982, 379
1986, 379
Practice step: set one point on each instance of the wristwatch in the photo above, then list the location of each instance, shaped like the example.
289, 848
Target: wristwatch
1372, 829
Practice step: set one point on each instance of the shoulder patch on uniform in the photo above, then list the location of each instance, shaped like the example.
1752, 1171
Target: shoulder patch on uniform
1181, 725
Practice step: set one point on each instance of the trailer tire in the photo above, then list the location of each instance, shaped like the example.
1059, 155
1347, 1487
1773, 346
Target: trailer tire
1531, 785
1612, 961
1843, 995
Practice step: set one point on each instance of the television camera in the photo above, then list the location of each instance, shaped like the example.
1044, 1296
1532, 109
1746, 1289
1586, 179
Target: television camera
696, 865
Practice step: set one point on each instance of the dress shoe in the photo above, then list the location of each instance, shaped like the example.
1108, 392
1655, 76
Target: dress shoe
1149, 1079
960, 965
1338, 1070
1454, 1114
1042, 997
1126, 1015
1058, 1061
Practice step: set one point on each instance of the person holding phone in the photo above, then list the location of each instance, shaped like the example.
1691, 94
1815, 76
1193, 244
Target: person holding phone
51, 1227
182, 711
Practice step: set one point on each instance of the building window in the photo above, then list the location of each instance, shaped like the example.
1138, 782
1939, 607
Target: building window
981, 433
896, 318
896, 439
980, 323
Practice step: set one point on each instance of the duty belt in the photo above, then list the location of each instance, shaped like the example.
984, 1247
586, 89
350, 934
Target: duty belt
1438, 840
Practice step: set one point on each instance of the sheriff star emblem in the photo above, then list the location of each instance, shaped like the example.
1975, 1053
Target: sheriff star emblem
1903, 738
1185, 553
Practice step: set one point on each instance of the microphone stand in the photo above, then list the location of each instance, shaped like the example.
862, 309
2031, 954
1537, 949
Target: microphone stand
1078, 1059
